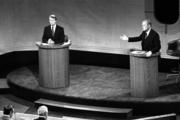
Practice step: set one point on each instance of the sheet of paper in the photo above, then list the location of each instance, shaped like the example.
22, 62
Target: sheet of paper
138, 52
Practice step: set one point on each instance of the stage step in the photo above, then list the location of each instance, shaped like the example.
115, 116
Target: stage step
121, 112
171, 116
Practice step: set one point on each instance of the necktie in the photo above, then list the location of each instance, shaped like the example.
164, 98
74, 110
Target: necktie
52, 30
145, 35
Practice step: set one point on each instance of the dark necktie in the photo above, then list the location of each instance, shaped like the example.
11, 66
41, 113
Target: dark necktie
52, 30
145, 35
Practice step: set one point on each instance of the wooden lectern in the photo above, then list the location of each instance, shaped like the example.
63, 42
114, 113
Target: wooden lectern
144, 74
53, 65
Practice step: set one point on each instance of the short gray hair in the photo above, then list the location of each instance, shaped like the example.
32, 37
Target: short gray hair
42, 110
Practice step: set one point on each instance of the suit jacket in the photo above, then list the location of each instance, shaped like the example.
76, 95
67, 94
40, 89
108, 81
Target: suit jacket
40, 118
5, 117
150, 43
58, 36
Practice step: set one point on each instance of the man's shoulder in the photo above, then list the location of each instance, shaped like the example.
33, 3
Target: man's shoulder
59, 27
40, 118
47, 26
154, 32
37, 118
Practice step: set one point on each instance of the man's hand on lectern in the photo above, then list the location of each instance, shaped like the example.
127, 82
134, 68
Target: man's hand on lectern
124, 37
148, 54
50, 41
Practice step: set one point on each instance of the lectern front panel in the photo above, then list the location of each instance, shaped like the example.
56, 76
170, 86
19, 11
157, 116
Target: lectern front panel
144, 76
54, 67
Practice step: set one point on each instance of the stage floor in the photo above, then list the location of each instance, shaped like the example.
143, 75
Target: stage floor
94, 83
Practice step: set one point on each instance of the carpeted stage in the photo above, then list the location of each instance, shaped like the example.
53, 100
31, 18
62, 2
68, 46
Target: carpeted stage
92, 83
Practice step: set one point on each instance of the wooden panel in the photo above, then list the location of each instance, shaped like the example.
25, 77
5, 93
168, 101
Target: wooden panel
144, 76
53, 67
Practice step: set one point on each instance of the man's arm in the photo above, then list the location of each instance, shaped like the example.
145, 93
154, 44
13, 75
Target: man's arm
62, 35
157, 44
44, 37
136, 39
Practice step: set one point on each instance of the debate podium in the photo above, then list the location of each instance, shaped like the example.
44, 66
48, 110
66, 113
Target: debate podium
53, 65
143, 74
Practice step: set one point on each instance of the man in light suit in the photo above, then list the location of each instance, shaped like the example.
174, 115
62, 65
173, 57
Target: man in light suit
53, 33
149, 37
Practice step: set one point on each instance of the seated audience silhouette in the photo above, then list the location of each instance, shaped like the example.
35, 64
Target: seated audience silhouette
42, 112
8, 113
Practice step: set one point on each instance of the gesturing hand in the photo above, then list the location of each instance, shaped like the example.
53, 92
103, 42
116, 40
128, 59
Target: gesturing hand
124, 37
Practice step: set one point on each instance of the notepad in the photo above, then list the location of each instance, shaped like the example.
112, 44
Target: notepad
44, 44
138, 52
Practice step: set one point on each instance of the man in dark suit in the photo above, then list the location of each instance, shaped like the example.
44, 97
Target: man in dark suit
8, 113
53, 33
150, 38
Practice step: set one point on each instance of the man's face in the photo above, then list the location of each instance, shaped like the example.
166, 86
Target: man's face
145, 26
52, 21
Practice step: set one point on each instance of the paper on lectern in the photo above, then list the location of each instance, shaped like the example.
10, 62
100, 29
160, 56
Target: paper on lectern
138, 52
44, 43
